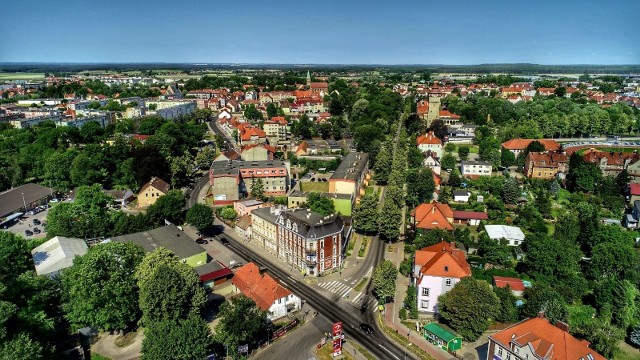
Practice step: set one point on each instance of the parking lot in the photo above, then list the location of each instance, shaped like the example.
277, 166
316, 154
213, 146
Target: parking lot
26, 223
214, 248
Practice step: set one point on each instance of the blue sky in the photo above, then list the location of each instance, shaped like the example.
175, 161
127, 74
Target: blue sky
336, 32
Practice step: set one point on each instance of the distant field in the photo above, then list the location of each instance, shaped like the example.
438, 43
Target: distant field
21, 76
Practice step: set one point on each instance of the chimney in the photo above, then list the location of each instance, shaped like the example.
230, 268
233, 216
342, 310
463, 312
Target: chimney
562, 326
541, 314
444, 249
453, 245
433, 210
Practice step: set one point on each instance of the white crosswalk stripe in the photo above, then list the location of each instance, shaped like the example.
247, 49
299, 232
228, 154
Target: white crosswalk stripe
336, 287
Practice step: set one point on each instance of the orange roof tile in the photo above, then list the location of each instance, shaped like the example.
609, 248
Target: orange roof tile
521, 144
433, 216
261, 288
442, 260
514, 283
448, 114
547, 341
429, 138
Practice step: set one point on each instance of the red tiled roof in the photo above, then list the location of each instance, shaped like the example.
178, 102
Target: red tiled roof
250, 132
448, 114
521, 144
541, 159
261, 288
319, 85
465, 215
634, 189
224, 272
548, 341
442, 260
429, 138
613, 158
514, 283
423, 107
433, 216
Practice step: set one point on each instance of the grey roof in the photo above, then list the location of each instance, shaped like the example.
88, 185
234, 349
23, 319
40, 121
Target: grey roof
461, 193
209, 268
251, 202
351, 166
324, 194
57, 254
233, 167
270, 213
169, 237
11, 200
314, 225
476, 163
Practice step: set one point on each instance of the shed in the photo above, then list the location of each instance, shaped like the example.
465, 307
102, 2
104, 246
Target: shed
446, 339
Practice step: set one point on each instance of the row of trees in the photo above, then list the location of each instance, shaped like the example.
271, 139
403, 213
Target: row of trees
65, 157
545, 117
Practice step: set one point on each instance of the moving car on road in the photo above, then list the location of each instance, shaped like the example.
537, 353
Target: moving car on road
366, 328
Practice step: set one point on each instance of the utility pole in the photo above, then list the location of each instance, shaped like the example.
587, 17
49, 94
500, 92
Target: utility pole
25, 203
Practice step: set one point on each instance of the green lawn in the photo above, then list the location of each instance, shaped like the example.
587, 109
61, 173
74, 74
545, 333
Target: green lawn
21, 76
314, 186
474, 149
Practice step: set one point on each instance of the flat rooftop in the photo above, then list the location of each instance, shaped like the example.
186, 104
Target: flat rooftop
168, 237
351, 167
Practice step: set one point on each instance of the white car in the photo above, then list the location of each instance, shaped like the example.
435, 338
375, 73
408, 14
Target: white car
54, 201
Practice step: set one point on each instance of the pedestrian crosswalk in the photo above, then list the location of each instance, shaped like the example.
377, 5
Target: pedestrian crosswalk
336, 287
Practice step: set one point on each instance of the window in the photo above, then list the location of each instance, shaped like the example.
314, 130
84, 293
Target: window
448, 282
446, 268
424, 304
499, 351
425, 291
508, 356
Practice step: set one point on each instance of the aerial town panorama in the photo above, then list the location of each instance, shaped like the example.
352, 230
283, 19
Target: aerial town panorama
352, 197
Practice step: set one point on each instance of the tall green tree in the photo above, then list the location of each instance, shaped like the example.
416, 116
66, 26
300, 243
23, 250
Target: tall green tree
508, 311
510, 191
169, 288
469, 307
241, 322
185, 339
542, 298
257, 189
100, 290
168, 207
200, 216
365, 216
205, 157
390, 219
382, 165
384, 281
448, 161
22, 346
320, 204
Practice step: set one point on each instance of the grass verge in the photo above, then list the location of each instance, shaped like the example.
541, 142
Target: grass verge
421, 354
361, 284
326, 353
363, 247
363, 351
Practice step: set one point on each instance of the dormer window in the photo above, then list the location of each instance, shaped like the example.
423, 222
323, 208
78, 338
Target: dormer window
295, 227
446, 269
288, 224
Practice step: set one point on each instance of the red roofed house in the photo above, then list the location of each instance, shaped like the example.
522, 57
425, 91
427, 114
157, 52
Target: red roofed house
436, 269
213, 273
634, 192
252, 135
257, 152
430, 142
469, 217
516, 285
545, 165
536, 338
610, 163
423, 108
516, 146
267, 293
432, 216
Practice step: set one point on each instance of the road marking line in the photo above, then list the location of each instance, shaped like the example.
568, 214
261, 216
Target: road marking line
346, 292
354, 282
387, 350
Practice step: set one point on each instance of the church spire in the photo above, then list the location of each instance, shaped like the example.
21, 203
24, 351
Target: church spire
308, 78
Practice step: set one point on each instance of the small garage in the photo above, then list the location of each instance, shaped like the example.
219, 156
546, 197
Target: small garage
213, 274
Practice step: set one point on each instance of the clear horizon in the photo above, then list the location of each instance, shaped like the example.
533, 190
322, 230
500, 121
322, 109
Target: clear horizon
336, 33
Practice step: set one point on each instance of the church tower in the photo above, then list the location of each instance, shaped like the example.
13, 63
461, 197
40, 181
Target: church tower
308, 78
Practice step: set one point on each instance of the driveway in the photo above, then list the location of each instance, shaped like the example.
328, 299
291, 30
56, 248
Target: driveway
106, 346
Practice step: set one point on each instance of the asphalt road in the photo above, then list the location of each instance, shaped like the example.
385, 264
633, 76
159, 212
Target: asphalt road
300, 344
376, 343
195, 192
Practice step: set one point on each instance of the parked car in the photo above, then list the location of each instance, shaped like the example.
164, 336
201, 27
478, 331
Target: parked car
36, 222
28, 232
31, 212
201, 241
224, 241
54, 201
36, 230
